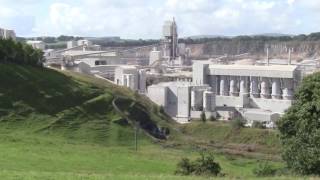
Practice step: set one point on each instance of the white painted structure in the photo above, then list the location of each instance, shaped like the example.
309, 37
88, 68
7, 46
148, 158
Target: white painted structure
256, 93
170, 39
155, 56
7, 34
183, 100
72, 44
84, 42
37, 44
131, 77
1, 33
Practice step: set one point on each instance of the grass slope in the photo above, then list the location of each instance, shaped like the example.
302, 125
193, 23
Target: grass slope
63, 126
44, 101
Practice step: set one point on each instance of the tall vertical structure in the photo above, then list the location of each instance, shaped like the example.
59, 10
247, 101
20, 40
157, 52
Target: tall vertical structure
170, 39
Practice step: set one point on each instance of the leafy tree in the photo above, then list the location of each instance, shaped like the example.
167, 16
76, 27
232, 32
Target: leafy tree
49, 40
19, 53
300, 128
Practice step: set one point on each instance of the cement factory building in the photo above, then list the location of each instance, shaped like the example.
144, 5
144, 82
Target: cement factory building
255, 93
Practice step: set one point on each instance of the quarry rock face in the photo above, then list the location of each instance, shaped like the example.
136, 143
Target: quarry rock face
300, 49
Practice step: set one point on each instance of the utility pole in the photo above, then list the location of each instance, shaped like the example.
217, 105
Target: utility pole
136, 136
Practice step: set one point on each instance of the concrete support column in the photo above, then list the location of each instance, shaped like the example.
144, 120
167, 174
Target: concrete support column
287, 91
254, 89
209, 102
276, 91
244, 86
233, 87
265, 91
128, 81
124, 80
223, 86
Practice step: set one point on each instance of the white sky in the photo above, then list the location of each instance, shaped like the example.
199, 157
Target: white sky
144, 18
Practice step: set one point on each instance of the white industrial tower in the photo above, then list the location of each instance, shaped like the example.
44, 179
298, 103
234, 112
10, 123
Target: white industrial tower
170, 39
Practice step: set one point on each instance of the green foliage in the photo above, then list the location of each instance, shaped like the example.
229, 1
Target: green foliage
212, 118
237, 123
258, 124
300, 129
205, 165
68, 38
19, 53
185, 167
264, 169
162, 111
203, 117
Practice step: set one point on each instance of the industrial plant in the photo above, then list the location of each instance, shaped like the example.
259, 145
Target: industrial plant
7, 34
251, 89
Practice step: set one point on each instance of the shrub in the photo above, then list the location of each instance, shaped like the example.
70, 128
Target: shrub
162, 110
258, 124
212, 118
264, 169
237, 123
185, 167
205, 165
203, 117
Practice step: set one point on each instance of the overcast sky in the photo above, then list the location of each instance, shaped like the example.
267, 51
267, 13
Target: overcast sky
144, 18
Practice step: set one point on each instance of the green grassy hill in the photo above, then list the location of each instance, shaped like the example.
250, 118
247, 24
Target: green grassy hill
38, 100
64, 125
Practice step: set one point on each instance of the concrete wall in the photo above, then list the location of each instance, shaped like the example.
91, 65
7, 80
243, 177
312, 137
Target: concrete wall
273, 105
228, 101
199, 73
183, 102
158, 95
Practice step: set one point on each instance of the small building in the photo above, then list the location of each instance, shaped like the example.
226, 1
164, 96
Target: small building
84, 42
37, 44
9, 34
71, 44
131, 77
1, 33
155, 56
183, 100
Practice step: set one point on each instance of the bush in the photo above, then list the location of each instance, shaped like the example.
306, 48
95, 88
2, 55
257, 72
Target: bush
185, 167
205, 165
264, 169
162, 111
203, 117
237, 123
212, 118
258, 124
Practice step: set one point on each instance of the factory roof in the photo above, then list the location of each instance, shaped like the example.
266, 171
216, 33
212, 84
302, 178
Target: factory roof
35, 42
179, 74
83, 53
277, 71
177, 84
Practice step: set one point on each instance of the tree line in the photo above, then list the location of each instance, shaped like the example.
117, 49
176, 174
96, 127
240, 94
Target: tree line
264, 38
19, 53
